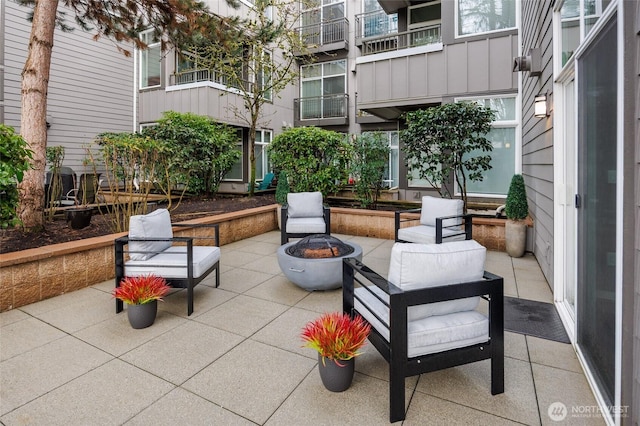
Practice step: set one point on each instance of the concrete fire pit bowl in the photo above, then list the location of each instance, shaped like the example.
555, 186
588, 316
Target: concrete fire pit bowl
315, 273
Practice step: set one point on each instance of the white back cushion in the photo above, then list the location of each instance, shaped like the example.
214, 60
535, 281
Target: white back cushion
304, 204
433, 207
156, 224
416, 266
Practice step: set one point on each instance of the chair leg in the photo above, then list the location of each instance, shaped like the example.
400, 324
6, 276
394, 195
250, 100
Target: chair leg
190, 299
396, 395
218, 275
497, 375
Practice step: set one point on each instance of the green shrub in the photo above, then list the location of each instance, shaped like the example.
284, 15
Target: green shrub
516, 206
368, 164
314, 159
133, 164
14, 161
202, 150
282, 188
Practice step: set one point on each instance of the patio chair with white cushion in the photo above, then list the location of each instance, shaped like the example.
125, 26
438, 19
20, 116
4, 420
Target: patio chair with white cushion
151, 248
441, 220
424, 317
303, 215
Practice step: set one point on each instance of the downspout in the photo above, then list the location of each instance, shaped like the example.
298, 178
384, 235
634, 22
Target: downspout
135, 89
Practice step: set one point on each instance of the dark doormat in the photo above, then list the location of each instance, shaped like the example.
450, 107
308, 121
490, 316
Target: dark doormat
534, 318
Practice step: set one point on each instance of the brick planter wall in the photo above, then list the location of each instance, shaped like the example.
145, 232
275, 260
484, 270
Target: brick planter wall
29, 276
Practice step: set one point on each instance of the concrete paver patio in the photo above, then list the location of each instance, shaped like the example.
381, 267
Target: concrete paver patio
238, 359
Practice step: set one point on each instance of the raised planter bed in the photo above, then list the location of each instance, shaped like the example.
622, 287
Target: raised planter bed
29, 276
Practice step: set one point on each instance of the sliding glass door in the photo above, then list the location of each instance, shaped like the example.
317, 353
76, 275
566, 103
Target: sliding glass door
596, 202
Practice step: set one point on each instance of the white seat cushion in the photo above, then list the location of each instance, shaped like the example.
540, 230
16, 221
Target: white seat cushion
304, 204
306, 225
434, 207
428, 335
156, 224
427, 234
172, 262
415, 266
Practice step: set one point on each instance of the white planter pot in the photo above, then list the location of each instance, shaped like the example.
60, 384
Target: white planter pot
515, 234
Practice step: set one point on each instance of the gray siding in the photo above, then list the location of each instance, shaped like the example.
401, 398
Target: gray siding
90, 86
2, 7
478, 67
537, 134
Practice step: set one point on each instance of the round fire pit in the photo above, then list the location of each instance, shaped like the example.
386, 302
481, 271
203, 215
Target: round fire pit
315, 262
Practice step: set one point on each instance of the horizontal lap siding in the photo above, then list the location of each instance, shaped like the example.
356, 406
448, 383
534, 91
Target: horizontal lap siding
537, 134
90, 86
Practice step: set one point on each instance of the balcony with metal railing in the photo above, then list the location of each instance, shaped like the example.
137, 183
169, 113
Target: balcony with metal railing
375, 24
326, 36
329, 110
423, 36
207, 75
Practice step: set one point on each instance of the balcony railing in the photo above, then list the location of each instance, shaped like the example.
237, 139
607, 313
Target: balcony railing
416, 37
196, 76
375, 24
321, 107
325, 33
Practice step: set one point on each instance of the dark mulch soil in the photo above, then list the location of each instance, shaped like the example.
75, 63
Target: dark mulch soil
59, 232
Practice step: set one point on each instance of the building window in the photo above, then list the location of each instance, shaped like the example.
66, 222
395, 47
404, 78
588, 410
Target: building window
263, 139
391, 173
236, 171
317, 27
264, 76
150, 61
322, 90
424, 23
376, 22
483, 16
503, 136
577, 18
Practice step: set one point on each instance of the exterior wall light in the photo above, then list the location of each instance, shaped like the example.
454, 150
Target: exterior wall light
540, 107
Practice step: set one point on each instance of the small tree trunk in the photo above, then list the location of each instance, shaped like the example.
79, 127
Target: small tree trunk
252, 156
33, 121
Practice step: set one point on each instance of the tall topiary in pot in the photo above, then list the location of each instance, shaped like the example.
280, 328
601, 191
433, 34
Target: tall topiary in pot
282, 189
516, 210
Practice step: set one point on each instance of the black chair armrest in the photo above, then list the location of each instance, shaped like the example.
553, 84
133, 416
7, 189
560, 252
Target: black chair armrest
468, 227
398, 218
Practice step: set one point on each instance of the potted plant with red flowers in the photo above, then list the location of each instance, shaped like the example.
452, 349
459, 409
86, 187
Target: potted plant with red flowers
141, 294
338, 338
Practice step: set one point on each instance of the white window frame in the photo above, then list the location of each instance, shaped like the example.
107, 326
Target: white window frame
143, 62
241, 160
321, 77
396, 148
264, 157
462, 36
502, 124
557, 22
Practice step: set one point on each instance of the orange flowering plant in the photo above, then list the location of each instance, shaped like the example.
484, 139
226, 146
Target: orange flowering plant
336, 336
141, 290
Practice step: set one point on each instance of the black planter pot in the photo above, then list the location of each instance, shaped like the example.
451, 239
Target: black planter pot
336, 378
79, 217
142, 316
